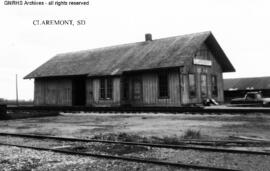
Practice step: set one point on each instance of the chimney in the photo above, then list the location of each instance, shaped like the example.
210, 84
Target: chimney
148, 37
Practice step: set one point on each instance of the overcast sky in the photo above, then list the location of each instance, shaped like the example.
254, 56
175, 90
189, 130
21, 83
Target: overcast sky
240, 26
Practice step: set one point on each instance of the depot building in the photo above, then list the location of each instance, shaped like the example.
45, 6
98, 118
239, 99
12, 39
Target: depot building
174, 71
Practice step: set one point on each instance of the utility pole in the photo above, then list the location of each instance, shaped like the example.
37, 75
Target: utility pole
17, 98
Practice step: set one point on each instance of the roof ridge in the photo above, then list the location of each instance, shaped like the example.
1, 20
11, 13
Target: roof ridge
130, 44
162, 52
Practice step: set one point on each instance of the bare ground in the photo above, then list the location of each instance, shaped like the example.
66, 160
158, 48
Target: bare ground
89, 125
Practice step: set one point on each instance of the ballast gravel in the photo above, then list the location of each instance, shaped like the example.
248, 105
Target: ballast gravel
14, 158
245, 162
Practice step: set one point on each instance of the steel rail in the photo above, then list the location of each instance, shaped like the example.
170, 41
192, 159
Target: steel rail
225, 142
183, 109
130, 159
186, 147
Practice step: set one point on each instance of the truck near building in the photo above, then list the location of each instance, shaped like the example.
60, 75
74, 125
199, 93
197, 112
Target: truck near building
252, 99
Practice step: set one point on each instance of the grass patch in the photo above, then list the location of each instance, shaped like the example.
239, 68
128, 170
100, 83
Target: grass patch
119, 149
118, 137
174, 140
170, 140
192, 134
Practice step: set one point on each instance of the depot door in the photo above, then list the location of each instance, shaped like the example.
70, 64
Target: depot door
137, 89
78, 92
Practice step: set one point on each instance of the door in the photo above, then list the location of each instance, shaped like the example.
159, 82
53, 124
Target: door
78, 92
137, 89
90, 93
184, 89
203, 86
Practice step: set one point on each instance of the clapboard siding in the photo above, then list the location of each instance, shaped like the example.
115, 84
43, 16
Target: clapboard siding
39, 95
150, 90
190, 68
53, 92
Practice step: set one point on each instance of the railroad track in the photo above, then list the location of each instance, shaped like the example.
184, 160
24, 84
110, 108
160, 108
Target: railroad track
124, 158
130, 159
187, 147
186, 109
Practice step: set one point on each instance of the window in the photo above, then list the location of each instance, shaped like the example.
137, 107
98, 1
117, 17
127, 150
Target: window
109, 88
192, 85
102, 88
214, 86
251, 96
106, 88
126, 88
203, 85
163, 85
137, 88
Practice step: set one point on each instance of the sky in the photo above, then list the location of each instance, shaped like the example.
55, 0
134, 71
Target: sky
240, 26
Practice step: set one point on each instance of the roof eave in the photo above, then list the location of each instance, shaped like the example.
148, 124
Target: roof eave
54, 76
217, 51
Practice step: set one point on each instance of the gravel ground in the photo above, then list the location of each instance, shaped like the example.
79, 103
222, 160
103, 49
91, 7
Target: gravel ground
13, 158
44, 160
244, 162
146, 125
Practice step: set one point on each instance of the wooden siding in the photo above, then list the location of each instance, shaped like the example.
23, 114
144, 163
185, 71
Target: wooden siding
93, 99
53, 92
150, 95
214, 69
59, 91
184, 89
89, 92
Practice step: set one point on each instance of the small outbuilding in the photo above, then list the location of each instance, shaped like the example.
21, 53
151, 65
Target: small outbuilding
238, 87
174, 71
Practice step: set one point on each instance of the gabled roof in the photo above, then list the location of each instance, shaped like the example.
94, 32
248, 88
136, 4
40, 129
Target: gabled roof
255, 83
159, 53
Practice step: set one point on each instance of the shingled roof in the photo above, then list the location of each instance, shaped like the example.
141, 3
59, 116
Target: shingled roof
114, 60
252, 83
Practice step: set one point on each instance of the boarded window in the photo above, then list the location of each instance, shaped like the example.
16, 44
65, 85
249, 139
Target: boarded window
214, 86
106, 88
203, 85
192, 85
163, 85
